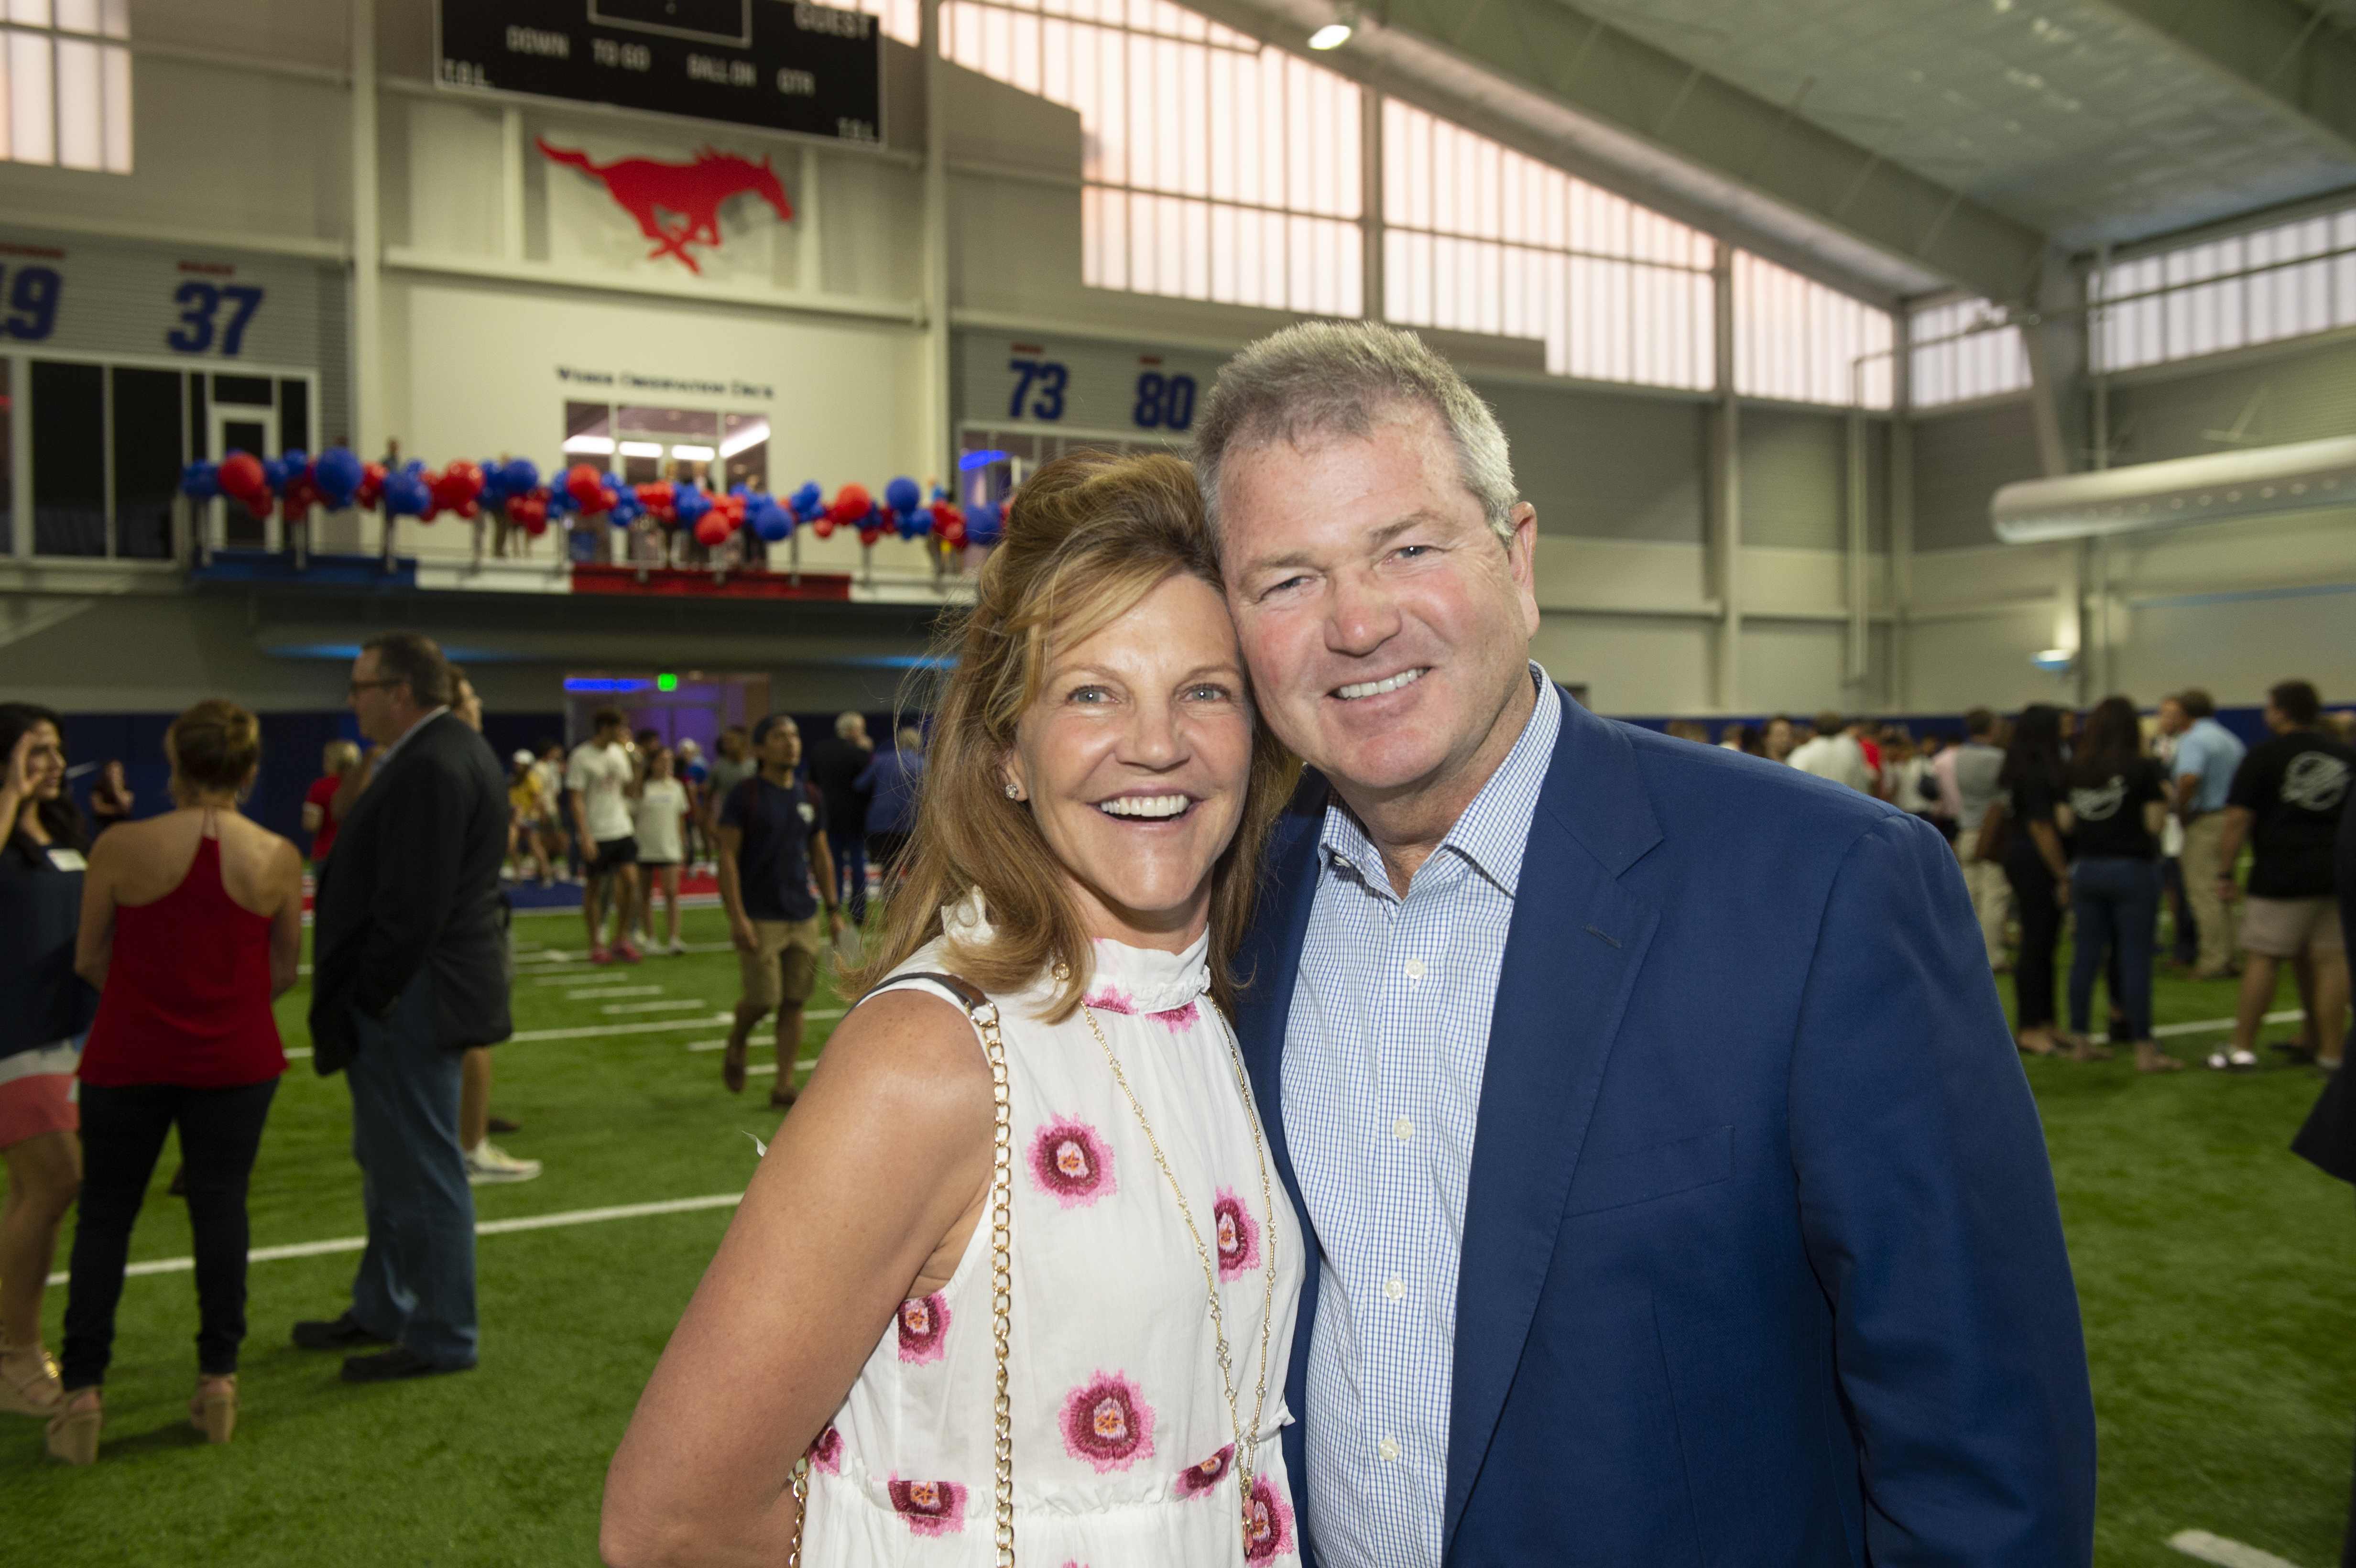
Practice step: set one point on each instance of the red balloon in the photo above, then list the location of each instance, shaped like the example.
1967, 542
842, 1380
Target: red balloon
240, 477
456, 488
299, 496
824, 526
371, 488
952, 533
732, 507
529, 511
586, 486
944, 516
659, 501
851, 504
869, 535
714, 529
536, 527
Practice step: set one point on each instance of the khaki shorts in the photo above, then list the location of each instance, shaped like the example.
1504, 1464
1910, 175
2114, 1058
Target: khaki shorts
2286, 928
782, 968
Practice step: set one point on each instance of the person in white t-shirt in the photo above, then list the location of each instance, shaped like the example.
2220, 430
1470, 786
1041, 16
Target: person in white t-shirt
600, 783
662, 816
1835, 754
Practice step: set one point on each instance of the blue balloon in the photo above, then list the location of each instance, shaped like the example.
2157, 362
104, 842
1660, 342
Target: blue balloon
200, 481
560, 503
522, 476
770, 521
984, 523
337, 473
911, 524
903, 496
689, 503
406, 495
808, 503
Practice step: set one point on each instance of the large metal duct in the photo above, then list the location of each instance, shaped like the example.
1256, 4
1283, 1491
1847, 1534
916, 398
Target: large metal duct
2181, 491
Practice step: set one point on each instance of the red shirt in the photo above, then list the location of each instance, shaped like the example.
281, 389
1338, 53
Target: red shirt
322, 794
188, 991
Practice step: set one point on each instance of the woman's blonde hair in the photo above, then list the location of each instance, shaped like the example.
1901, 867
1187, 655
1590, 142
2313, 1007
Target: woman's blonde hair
1086, 537
342, 757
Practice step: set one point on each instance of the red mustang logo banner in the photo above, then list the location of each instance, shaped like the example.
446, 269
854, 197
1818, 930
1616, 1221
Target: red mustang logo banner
678, 205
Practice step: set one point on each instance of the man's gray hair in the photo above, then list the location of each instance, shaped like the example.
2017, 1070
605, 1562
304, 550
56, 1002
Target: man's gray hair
847, 724
1336, 378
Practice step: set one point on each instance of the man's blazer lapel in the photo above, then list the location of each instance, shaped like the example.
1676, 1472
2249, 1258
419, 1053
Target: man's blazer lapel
1572, 954
1273, 955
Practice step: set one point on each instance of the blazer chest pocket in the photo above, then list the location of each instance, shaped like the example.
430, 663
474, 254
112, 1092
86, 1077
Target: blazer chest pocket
1618, 1178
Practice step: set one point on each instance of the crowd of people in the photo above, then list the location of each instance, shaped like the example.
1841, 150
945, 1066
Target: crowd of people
2099, 824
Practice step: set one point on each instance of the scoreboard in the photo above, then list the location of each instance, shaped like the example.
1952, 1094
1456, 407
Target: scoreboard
782, 65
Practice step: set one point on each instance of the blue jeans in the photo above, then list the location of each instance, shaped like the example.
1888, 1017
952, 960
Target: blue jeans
849, 852
2118, 901
416, 1281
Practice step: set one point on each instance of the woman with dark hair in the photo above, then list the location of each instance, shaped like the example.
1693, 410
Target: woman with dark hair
109, 797
1086, 1194
191, 923
2037, 865
44, 1010
2118, 805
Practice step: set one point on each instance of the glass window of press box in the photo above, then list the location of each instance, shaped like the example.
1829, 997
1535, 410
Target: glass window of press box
106, 445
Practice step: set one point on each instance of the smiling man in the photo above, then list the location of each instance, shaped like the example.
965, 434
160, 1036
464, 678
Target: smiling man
1676, 1194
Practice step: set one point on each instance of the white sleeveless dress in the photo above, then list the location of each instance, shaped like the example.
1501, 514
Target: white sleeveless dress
1123, 1444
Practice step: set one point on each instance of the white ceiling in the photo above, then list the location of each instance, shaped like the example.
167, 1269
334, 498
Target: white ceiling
2066, 114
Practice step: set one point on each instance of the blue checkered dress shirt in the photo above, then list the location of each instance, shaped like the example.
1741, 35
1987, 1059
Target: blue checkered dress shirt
1383, 1055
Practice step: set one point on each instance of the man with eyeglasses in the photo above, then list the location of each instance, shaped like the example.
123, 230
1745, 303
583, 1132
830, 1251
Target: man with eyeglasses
410, 973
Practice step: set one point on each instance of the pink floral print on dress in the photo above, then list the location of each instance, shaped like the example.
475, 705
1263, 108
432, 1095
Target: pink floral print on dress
1112, 1000
1239, 1236
826, 1450
1195, 1480
924, 1322
1108, 1424
931, 1507
1268, 1525
1071, 1163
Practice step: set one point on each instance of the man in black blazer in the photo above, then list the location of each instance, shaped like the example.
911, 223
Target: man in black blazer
410, 970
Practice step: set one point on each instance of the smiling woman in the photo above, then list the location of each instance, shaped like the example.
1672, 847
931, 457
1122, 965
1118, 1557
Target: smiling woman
1064, 1241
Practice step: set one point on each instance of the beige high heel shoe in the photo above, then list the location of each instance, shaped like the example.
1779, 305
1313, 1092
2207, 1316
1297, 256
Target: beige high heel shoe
36, 1392
74, 1431
213, 1411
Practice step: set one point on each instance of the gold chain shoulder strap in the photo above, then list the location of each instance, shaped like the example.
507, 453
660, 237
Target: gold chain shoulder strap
984, 1014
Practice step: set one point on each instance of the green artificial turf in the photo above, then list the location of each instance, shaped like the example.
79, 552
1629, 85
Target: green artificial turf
2213, 1266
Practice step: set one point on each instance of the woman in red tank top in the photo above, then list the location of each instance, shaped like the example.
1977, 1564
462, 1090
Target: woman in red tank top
191, 923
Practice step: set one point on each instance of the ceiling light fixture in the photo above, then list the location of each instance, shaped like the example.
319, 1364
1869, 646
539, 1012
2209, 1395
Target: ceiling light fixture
1332, 35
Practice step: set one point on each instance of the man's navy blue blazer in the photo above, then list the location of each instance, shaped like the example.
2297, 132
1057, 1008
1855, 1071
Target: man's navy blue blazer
1762, 1261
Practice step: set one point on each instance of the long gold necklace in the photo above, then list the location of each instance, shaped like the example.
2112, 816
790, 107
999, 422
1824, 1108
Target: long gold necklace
1210, 1273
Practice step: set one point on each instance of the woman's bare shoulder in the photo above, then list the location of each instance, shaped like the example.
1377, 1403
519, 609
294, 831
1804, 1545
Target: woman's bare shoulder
909, 1041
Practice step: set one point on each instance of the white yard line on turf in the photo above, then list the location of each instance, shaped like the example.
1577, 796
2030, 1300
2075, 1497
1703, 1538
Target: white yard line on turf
595, 992
487, 1228
2206, 1025
2216, 1549
678, 1006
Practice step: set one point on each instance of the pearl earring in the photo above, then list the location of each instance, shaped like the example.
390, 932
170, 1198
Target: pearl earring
1014, 792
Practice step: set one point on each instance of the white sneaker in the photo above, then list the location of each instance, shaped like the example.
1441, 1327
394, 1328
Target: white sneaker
488, 1162
678, 948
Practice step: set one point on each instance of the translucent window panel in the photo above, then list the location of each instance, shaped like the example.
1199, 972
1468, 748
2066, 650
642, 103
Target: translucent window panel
65, 97
900, 20
1478, 238
2287, 280
1797, 340
32, 102
1215, 168
1958, 355
688, 424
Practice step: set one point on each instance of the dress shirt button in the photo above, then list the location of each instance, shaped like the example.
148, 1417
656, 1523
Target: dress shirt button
1389, 1448
1415, 968
1402, 1129
1394, 1288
